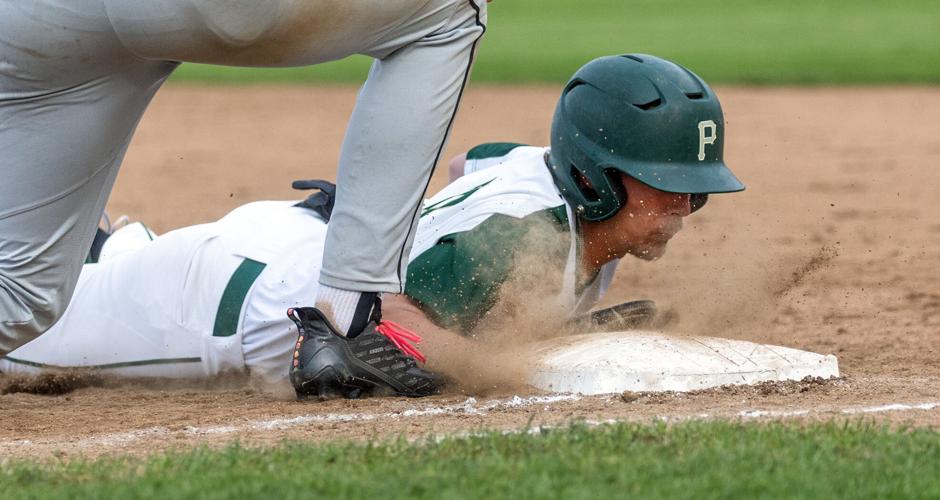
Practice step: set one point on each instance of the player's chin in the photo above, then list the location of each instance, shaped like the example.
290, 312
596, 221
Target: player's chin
651, 251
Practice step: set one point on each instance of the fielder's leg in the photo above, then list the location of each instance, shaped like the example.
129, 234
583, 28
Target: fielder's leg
70, 98
395, 138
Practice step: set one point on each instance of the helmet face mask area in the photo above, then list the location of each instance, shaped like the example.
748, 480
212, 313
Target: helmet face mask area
641, 116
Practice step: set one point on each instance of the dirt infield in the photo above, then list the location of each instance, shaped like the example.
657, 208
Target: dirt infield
834, 248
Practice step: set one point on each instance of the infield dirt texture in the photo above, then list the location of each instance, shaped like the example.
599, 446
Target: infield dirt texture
833, 248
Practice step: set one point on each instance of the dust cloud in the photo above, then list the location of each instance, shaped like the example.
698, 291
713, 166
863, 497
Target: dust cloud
737, 297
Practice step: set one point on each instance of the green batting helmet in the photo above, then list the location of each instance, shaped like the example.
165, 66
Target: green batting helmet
642, 116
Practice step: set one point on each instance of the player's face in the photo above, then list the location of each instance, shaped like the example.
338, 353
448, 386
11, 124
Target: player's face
650, 218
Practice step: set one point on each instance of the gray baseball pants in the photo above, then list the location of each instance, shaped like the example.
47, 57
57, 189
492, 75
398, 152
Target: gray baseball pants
76, 76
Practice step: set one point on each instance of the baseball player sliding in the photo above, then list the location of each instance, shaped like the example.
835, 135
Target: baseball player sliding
76, 76
636, 146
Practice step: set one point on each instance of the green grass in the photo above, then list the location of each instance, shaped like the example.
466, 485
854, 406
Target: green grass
732, 41
692, 460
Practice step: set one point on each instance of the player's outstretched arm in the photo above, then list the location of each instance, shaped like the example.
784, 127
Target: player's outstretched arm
411, 98
467, 364
443, 347
455, 168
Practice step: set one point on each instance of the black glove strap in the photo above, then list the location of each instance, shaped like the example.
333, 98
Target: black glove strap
321, 202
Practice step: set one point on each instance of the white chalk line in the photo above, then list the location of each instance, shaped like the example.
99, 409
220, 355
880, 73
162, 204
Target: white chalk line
887, 408
893, 407
468, 407
745, 414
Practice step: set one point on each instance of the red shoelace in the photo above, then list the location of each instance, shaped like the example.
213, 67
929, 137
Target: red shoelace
400, 336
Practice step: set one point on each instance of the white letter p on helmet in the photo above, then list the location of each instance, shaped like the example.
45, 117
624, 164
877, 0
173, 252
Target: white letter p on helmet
707, 133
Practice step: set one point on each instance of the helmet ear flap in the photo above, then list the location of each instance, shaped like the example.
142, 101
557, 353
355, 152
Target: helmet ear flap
601, 189
617, 188
697, 201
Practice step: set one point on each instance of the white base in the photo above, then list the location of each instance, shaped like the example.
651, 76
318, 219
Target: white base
640, 361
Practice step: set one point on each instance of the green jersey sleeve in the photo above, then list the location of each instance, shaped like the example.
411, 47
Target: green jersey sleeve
491, 150
458, 280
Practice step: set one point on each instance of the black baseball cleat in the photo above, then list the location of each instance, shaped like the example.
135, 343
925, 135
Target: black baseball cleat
380, 358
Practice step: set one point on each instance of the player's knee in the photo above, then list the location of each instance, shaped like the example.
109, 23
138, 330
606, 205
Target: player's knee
48, 310
239, 22
26, 314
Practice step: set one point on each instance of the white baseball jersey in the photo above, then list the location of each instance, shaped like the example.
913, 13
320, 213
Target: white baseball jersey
206, 299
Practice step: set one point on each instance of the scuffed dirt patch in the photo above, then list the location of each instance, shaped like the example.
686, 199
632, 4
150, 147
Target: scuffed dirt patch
50, 384
779, 388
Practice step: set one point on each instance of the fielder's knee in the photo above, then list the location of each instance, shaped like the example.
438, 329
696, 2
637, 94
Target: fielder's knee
240, 23
25, 315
